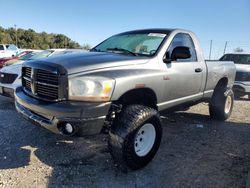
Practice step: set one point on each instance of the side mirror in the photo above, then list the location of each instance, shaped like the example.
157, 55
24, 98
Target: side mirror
166, 58
180, 52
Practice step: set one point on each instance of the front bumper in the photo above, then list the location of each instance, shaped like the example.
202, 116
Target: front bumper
88, 117
9, 89
6, 91
242, 87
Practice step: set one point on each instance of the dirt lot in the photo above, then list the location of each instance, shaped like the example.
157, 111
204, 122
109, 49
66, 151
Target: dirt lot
195, 152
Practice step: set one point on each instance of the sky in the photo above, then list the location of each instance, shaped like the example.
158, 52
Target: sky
92, 21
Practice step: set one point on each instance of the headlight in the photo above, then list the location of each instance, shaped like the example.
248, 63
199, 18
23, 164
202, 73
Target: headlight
91, 88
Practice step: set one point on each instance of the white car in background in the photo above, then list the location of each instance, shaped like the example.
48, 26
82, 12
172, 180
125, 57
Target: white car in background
10, 76
8, 50
242, 79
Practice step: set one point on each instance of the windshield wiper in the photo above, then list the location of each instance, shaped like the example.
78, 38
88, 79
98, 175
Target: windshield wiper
122, 50
95, 50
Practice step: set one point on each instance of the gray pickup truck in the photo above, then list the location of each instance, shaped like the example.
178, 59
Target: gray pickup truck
122, 85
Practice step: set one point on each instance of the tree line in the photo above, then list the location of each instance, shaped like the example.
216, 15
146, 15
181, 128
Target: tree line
29, 39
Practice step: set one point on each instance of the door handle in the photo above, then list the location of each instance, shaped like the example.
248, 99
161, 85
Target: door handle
198, 70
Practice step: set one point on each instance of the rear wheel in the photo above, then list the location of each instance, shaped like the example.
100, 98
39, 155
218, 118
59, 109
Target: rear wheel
221, 106
135, 136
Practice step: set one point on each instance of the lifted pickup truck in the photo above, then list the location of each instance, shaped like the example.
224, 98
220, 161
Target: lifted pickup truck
121, 85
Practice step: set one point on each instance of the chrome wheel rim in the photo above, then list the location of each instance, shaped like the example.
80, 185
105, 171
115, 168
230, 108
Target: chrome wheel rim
144, 139
228, 104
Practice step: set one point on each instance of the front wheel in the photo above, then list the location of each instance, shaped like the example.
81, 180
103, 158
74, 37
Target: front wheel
221, 106
135, 136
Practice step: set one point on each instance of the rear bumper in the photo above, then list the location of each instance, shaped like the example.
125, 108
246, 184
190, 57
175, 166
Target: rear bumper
88, 117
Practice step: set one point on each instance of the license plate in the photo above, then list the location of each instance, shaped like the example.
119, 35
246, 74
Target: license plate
1, 90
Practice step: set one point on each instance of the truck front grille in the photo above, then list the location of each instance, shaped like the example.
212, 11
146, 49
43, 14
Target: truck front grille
47, 91
27, 84
42, 84
27, 72
242, 76
47, 77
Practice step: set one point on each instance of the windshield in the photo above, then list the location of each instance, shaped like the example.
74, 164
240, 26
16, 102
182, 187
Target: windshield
27, 56
22, 54
42, 54
237, 58
132, 44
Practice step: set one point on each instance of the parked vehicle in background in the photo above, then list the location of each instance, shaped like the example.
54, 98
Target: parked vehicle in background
10, 76
8, 50
242, 79
121, 85
13, 59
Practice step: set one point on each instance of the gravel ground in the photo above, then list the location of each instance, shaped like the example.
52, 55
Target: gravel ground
195, 152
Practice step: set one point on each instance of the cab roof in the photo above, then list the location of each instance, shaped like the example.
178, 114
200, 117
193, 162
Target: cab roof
153, 30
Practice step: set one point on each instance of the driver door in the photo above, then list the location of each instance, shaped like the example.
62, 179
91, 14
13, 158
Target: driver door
184, 76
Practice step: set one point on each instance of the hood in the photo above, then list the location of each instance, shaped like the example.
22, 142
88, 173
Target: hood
75, 63
242, 68
12, 69
13, 61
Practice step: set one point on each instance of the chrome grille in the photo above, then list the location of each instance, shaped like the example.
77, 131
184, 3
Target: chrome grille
47, 77
27, 72
40, 83
27, 85
46, 91
242, 76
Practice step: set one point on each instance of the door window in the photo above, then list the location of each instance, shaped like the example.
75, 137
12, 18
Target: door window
184, 40
1, 47
12, 47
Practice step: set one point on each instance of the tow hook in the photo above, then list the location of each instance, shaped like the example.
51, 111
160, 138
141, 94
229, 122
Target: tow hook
114, 109
117, 108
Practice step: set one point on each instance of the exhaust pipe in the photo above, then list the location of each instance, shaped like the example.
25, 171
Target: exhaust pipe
67, 129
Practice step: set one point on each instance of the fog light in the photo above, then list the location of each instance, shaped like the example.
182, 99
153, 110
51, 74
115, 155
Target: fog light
67, 129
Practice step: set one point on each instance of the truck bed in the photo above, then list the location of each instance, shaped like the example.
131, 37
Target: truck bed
214, 71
